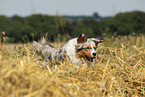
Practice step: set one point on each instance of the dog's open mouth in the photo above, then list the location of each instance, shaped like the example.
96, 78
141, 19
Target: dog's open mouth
90, 59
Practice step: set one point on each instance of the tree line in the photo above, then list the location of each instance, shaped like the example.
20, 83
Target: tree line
33, 27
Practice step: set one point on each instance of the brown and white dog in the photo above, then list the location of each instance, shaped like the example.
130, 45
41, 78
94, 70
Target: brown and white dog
74, 50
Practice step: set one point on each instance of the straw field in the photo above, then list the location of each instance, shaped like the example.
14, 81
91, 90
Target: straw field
119, 70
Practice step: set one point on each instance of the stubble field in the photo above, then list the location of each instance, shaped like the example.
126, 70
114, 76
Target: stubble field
119, 70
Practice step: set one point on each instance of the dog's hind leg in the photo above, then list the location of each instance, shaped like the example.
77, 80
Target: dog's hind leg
43, 49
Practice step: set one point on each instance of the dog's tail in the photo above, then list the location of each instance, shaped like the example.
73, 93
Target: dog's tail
43, 41
43, 48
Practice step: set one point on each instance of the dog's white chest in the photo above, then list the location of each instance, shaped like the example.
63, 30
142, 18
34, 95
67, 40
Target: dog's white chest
71, 51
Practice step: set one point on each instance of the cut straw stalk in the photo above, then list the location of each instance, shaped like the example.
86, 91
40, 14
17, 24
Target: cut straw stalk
105, 70
122, 56
138, 41
137, 64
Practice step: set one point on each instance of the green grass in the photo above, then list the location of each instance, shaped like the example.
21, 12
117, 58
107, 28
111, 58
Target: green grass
118, 71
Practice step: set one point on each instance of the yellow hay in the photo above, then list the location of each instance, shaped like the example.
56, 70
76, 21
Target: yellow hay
119, 71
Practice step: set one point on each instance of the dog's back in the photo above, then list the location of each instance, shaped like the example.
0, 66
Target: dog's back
51, 54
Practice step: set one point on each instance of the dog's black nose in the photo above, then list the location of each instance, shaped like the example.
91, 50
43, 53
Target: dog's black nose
94, 54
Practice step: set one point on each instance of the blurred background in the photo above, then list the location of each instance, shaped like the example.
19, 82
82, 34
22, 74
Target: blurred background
28, 20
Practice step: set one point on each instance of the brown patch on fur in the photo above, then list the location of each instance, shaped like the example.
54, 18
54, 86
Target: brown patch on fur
83, 53
88, 47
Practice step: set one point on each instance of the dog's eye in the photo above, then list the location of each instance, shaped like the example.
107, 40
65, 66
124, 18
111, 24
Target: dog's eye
87, 48
95, 47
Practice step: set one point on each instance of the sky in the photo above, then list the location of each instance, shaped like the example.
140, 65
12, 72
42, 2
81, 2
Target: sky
69, 7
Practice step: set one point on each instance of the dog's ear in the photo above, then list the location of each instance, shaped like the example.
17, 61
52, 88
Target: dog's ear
97, 41
81, 39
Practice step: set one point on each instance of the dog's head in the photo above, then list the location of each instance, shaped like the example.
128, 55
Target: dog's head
86, 48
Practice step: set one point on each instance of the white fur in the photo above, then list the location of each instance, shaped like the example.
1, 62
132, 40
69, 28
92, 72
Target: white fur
71, 51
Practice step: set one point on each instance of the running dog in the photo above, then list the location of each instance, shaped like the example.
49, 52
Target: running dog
76, 51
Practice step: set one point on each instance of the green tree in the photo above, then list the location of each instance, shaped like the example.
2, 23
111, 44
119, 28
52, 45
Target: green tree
42, 24
5, 24
81, 28
125, 23
94, 26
